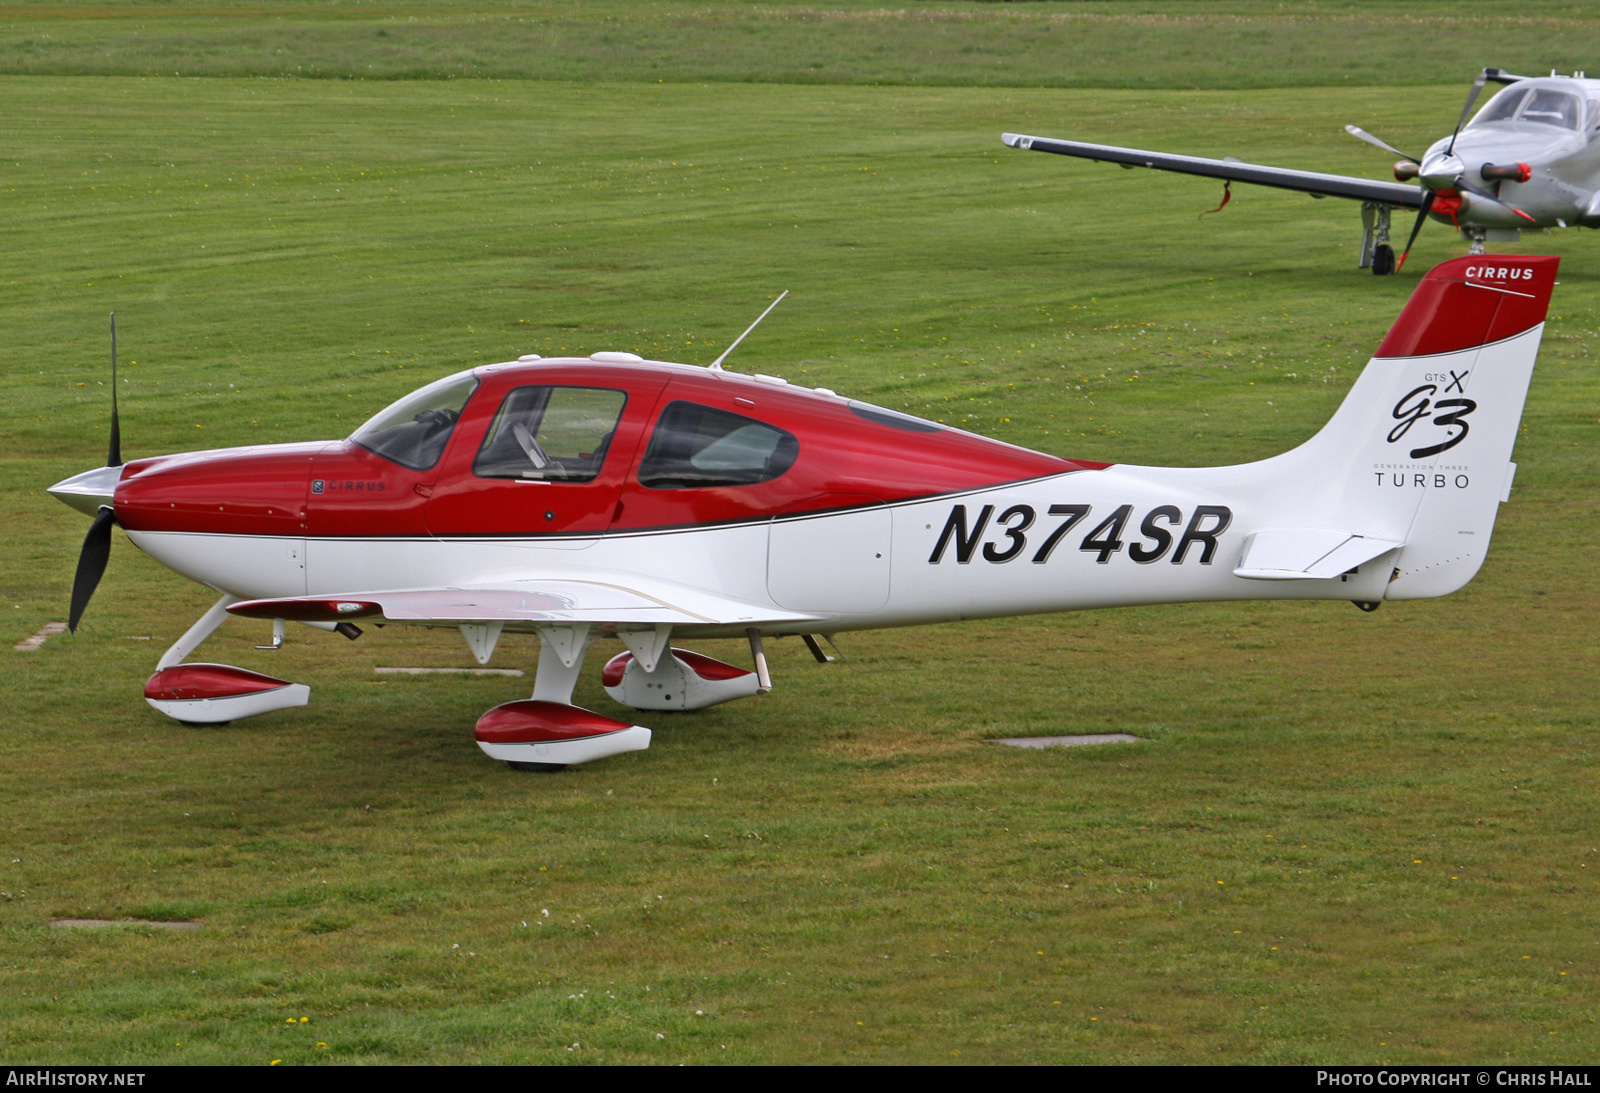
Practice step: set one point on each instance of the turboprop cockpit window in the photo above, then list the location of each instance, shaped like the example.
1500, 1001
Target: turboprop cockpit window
696, 445
559, 434
414, 431
1550, 107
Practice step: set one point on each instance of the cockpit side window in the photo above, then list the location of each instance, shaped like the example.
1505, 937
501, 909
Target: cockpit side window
1550, 107
558, 434
413, 431
696, 446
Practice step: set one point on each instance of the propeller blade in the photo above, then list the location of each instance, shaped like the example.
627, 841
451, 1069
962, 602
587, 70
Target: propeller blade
91, 565
1361, 134
114, 457
1472, 97
1422, 215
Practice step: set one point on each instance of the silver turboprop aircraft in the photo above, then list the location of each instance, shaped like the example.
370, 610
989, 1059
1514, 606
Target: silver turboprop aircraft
1529, 159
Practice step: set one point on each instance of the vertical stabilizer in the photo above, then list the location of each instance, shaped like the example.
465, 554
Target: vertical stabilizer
1420, 450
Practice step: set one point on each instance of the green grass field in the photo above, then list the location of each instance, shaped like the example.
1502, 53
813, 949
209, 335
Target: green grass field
1350, 838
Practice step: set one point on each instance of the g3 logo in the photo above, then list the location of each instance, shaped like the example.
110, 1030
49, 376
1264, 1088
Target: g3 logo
1416, 405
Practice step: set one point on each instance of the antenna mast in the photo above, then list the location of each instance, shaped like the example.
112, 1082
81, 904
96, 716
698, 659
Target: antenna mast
114, 455
716, 365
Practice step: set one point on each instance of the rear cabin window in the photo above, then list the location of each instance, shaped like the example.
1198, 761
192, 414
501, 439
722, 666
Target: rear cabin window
555, 434
414, 431
695, 446
894, 418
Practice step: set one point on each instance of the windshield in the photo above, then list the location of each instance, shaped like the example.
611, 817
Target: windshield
1503, 107
413, 431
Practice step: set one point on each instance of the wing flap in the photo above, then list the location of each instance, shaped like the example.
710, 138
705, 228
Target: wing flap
1284, 178
548, 602
1298, 554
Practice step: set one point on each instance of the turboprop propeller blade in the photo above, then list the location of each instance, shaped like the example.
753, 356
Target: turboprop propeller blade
1422, 216
1361, 134
91, 565
1472, 97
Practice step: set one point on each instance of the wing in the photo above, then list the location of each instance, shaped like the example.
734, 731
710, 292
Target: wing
1311, 182
624, 601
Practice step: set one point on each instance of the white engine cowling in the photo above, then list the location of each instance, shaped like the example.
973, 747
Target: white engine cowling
681, 681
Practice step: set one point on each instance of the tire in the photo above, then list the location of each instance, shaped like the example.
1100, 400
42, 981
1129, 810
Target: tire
1382, 260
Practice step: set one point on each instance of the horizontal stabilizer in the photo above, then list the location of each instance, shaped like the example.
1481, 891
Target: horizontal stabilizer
1298, 554
548, 602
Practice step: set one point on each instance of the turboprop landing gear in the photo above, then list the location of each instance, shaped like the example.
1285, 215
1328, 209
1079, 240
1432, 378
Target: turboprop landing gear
215, 694
1376, 253
1476, 237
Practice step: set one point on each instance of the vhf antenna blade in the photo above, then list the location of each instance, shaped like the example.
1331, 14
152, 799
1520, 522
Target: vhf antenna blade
716, 365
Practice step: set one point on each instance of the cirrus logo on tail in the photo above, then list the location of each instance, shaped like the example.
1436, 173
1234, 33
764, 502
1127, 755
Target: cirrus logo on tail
1501, 273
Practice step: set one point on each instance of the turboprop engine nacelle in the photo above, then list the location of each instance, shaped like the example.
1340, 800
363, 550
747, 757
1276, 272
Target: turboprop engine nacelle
682, 681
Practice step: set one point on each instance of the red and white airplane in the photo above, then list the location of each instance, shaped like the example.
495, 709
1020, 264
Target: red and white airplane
615, 497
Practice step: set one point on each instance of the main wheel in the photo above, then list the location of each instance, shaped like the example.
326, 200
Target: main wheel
1382, 260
